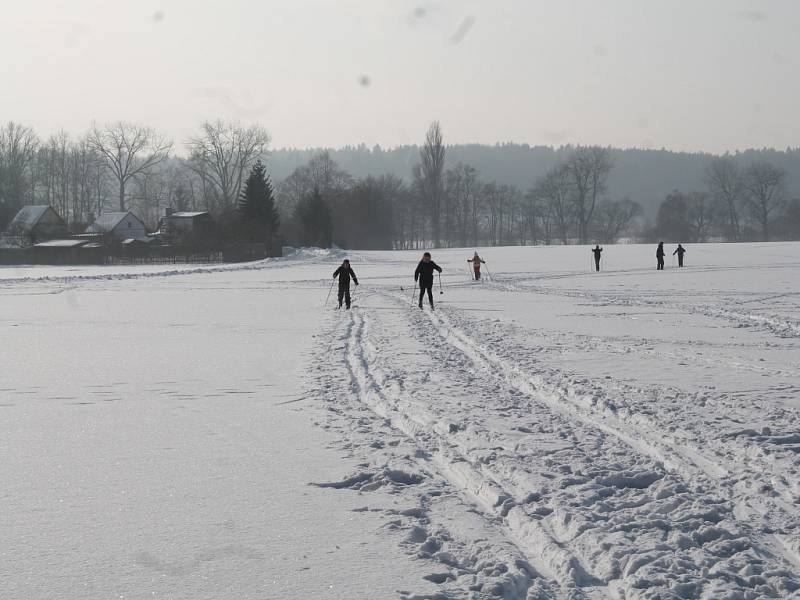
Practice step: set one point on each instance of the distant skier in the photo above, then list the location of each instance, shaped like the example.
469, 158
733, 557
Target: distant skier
344, 273
476, 265
597, 251
660, 256
680, 251
424, 274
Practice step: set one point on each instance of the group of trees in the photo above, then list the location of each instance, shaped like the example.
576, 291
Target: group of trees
449, 207
126, 166
740, 202
438, 202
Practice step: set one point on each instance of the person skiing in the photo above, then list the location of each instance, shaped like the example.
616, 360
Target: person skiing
344, 273
476, 265
680, 251
597, 251
424, 274
660, 256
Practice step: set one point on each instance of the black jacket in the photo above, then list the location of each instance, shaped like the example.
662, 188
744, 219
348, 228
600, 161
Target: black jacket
425, 270
344, 275
660, 251
680, 251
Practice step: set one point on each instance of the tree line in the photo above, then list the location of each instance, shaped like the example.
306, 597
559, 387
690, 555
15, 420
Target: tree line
439, 202
740, 201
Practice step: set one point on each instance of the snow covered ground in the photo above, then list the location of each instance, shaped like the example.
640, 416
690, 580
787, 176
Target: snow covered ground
549, 432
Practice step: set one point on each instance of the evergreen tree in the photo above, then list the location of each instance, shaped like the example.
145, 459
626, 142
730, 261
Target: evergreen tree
257, 212
313, 216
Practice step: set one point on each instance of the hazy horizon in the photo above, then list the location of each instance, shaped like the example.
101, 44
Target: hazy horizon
715, 77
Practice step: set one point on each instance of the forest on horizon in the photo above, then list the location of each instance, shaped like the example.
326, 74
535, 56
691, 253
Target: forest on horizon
646, 176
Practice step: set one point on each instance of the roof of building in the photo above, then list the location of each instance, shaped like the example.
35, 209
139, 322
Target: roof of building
187, 214
107, 222
28, 217
60, 244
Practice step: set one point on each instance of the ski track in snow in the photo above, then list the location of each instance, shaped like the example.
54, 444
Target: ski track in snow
586, 495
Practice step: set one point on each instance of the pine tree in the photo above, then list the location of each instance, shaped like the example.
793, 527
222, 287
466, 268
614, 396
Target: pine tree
257, 211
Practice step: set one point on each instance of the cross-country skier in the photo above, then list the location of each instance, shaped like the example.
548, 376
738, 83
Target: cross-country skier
680, 251
597, 251
476, 265
424, 274
660, 256
344, 273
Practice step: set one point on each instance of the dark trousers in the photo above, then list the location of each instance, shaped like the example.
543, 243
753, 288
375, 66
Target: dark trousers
344, 292
425, 286
660, 263
477, 273
680, 260
596, 263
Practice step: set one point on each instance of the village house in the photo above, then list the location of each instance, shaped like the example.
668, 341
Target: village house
183, 225
34, 224
118, 226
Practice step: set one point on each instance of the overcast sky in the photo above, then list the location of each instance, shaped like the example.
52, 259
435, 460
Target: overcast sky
709, 75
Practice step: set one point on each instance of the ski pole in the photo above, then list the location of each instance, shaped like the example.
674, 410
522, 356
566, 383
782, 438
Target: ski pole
329, 292
413, 289
441, 291
488, 272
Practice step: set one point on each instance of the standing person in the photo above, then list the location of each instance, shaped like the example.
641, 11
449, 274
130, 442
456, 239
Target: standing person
680, 251
597, 251
424, 274
476, 265
660, 256
344, 273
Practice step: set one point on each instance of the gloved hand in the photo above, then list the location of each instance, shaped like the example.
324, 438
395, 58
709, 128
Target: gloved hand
356, 283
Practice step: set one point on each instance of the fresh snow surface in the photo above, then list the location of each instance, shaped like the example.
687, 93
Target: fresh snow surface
212, 431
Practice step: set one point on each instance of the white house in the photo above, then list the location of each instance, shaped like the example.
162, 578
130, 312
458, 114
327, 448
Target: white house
119, 225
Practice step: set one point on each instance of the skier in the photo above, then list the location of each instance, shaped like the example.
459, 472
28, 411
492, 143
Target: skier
680, 251
660, 256
424, 274
344, 273
597, 251
476, 265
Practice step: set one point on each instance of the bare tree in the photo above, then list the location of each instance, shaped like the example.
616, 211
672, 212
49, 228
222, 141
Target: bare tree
223, 154
764, 185
461, 187
725, 182
554, 189
18, 146
589, 168
615, 217
431, 174
701, 213
128, 150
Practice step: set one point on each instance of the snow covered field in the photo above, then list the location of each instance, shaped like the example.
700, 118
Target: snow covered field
212, 432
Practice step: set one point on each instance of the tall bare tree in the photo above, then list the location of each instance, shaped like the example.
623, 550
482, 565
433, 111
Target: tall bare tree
223, 153
764, 185
589, 168
431, 173
701, 213
128, 150
18, 147
554, 189
461, 188
725, 182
